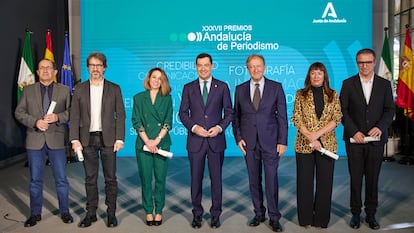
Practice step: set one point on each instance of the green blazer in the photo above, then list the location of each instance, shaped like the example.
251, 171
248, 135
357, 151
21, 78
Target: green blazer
151, 118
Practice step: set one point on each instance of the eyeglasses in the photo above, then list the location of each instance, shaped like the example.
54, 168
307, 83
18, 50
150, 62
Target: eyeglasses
361, 63
95, 65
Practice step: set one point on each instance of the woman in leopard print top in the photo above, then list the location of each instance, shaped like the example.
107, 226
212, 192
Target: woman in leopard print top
316, 114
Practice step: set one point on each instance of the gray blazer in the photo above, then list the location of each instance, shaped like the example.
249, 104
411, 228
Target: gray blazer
112, 114
29, 110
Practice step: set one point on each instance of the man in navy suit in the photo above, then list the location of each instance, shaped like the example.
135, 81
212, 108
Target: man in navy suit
368, 108
260, 129
206, 111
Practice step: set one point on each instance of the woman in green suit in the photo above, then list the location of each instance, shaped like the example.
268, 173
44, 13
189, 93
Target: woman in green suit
152, 118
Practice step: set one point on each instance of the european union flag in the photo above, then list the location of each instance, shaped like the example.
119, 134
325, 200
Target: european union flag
66, 72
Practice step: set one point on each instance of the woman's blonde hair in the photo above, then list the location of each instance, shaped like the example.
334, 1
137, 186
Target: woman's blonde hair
165, 88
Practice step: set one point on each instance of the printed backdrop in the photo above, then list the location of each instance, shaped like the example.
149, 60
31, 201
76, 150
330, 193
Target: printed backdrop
139, 35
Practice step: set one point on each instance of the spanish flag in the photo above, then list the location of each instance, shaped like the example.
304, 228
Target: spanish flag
405, 85
49, 49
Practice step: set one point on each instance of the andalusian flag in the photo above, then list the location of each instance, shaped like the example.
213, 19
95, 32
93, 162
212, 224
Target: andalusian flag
405, 85
49, 49
26, 72
385, 67
66, 77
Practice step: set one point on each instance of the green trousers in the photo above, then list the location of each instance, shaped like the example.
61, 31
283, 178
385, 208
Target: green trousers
149, 166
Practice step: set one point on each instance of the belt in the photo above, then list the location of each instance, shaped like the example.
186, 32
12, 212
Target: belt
96, 133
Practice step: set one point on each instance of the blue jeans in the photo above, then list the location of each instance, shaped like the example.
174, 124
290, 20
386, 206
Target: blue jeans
37, 163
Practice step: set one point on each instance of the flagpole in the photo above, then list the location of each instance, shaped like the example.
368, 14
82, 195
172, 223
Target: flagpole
387, 157
406, 159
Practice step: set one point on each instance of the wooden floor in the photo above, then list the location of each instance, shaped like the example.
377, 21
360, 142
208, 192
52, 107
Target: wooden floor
395, 213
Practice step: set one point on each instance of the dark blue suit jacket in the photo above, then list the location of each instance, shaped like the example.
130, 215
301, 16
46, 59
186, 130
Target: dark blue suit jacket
268, 125
218, 111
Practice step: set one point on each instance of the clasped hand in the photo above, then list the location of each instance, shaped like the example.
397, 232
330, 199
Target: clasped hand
43, 124
152, 145
212, 132
374, 132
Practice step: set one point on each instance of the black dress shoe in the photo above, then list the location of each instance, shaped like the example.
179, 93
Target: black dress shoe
215, 222
32, 220
87, 221
66, 218
372, 223
355, 222
196, 223
256, 220
150, 222
276, 227
112, 221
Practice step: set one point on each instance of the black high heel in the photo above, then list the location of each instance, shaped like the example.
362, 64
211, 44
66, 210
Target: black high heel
157, 223
150, 222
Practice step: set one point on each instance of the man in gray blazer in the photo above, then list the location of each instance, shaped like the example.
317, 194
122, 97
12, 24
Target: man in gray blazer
45, 138
97, 126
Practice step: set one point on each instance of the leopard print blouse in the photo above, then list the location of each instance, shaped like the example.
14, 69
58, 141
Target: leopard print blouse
304, 115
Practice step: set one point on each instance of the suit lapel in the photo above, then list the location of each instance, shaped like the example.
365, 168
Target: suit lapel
247, 95
197, 93
38, 97
374, 91
325, 111
55, 92
358, 88
151, 108
212, 91
88, 97
104, 96
266, 93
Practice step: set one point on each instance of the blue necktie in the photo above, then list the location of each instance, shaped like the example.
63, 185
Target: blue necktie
205, 92
46, 100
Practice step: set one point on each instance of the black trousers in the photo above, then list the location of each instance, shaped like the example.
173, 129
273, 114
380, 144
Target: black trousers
364, 160
314, 195
92, 152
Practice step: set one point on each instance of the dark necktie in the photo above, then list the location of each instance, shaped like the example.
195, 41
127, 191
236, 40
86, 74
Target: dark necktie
46, 100
205, 92
256, 97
